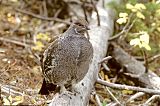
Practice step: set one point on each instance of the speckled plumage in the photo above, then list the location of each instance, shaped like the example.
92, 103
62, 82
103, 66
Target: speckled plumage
66, 61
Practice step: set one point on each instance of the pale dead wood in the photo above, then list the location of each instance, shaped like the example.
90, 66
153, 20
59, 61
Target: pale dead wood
126, 87
135, 96
98, 36
7, 89
137, 69
14, 42
147, 103
113, 97
41, 17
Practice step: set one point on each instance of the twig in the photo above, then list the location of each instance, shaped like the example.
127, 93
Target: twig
151, 59
57, 13
137, 95
103, 3
123, 30
14, 42
92, 99
118, 86
112, 104
95, 8
41, 17
103, 62
97, 99
11, 87
115, 99
45, 8
105, 59
132, 75
150, 99
145, 60
105, 67
129, 28
84, 10
9, 90
21, 40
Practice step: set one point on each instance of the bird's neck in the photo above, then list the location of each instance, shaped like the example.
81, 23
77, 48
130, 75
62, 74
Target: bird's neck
72, 31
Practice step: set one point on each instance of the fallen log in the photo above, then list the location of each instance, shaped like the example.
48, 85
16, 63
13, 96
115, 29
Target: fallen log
136, 69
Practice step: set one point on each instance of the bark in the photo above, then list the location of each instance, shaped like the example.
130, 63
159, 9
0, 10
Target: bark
99, 38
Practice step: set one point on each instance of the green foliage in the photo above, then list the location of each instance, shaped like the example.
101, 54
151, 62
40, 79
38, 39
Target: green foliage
104, 103
142, 41
39, 41
152, 6
123, 18
131, 1
139, 25
146, 23
144, 20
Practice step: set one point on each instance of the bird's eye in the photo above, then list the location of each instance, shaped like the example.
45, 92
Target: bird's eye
78, 24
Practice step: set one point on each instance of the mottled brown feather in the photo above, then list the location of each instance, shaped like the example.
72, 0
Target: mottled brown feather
66, 61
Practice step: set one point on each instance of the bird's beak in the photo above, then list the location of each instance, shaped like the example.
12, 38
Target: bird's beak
87, 28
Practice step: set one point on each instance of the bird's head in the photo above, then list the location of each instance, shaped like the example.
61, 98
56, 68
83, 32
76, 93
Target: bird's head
80, 26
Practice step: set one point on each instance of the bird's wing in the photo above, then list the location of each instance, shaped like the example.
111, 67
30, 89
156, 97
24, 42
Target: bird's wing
85, 53
46, 54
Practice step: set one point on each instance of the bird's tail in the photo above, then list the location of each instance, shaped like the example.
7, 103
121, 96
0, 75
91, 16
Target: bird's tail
47, 88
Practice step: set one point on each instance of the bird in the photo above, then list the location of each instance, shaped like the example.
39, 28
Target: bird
66, 60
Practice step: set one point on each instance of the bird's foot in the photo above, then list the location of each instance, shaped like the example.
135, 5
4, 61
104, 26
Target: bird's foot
74, 90
62, 89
